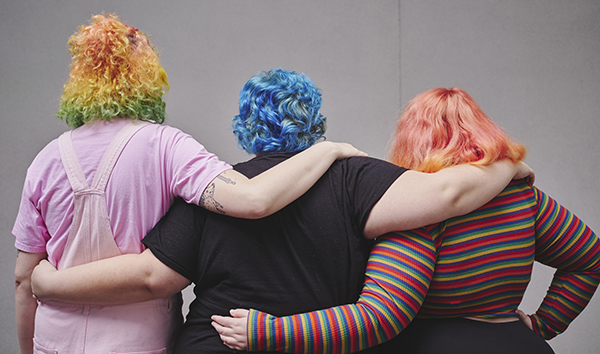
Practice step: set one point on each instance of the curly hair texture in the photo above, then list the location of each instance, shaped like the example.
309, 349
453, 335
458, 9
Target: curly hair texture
115, 72
279, 112
445, 127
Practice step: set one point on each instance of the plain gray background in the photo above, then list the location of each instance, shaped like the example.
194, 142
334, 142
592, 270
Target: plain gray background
532, 65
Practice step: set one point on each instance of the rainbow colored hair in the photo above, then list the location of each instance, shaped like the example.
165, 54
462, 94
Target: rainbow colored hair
279, 112
445, 127
115, 72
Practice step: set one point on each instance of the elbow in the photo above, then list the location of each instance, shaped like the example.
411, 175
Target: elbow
22, 282
153, 286
161, 288
257, 206
246, 203
19, 284
153, 289
452, 201
261, 211
23, 289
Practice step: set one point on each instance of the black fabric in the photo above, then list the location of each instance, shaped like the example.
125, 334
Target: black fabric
308, 256
464, 336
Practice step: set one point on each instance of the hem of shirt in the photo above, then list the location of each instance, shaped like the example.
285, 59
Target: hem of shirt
29, 249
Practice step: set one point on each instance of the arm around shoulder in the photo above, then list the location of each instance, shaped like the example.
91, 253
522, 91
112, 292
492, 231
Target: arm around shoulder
233, 194
417, 199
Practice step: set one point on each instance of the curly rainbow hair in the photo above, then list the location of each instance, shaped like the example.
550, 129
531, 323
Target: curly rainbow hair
445, 127
279, 112
115, 72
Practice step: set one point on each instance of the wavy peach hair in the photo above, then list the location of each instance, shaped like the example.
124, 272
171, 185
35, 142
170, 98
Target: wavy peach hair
445, 127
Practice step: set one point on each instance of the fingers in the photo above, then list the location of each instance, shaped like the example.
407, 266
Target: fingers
355, 152
525, 319
44, 266
38, 275
232, 331
227, 321
239, 313
346, 150
530, 179
525, 172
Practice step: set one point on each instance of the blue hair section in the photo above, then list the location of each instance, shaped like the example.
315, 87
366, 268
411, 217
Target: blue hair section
279, 112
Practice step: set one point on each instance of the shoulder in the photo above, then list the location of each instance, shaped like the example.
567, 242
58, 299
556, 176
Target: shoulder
259, 164
163, 131
49, 151
174, 143
519, 194
370, 167
47, 161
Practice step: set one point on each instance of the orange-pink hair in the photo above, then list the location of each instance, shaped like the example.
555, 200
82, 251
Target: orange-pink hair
445, 127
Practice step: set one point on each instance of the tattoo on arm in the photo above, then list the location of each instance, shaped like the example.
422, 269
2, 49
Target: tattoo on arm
226, 180
207, 200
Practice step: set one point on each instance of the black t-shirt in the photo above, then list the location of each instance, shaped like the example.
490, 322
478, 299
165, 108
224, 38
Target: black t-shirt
310, 255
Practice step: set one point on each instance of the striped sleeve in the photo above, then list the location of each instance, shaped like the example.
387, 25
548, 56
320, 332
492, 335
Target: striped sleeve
566, 243
398, 275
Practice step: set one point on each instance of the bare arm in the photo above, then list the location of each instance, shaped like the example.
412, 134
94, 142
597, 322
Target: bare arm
118, 280
233, 194
417, 199
25, 304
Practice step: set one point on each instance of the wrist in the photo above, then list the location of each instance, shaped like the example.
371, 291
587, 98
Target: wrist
506, 168
328, 150
41, 287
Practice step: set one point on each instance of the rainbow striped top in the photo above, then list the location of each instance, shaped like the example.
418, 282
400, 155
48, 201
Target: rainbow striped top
475, 265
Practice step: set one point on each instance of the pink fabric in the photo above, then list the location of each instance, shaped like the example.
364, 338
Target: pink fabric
75, 329
159, 163
79, 329
90, 237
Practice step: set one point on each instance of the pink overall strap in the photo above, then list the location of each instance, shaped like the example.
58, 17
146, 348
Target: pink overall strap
90, 237
69, 160
147, 327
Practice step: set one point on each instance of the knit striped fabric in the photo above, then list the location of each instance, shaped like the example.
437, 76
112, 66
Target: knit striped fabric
475, 265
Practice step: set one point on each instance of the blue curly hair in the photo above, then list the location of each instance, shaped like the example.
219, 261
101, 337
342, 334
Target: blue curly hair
279, 112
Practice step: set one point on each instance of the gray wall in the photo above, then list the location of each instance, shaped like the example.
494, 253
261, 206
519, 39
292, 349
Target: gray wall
534, 66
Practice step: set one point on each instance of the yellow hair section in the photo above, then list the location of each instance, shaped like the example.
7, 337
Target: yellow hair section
115, 72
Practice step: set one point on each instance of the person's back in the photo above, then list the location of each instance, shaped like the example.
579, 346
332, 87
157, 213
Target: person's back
483, 264
485, 258
146, 177
115, 79
80, 224
309, 255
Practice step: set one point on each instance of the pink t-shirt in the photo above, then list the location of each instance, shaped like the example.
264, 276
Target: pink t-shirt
158, 163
